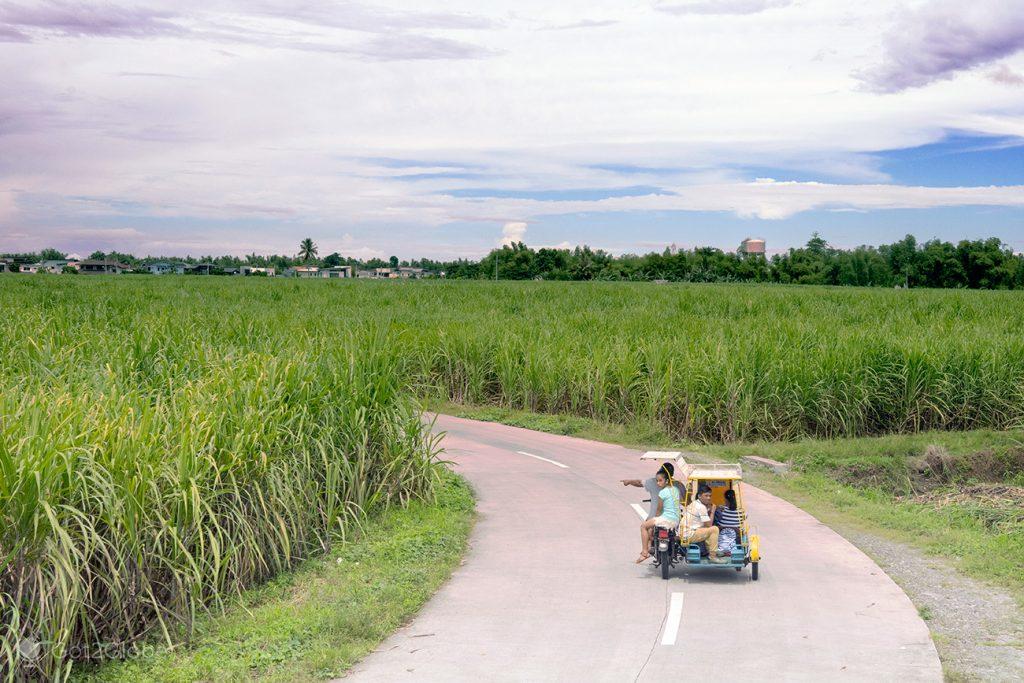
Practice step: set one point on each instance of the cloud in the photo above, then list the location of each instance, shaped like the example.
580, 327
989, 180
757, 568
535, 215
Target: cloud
512, 232
721, 6
942, 38
102, 234
401, 47
9, 34
764, 199
229, 22
8, 206
87, 20
584, 23
354, 16
1005, 75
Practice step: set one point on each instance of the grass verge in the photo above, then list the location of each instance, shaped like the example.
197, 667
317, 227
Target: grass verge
316, 622
890, 486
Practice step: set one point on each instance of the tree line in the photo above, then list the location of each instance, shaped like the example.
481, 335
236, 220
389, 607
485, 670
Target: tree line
973, 264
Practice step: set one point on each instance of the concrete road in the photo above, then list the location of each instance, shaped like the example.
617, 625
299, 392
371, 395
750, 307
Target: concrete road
549, 590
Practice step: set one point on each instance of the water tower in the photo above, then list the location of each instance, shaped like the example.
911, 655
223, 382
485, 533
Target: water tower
752, 246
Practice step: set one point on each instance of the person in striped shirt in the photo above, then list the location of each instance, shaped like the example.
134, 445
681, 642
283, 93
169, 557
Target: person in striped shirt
727, 519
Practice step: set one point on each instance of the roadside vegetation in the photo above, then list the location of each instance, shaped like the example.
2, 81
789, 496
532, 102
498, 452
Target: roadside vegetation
720, 363
316, 621
162, 450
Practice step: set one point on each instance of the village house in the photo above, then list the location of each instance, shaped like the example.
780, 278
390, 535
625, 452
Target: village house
336, 272
253, 270
56, 266
30, 268
166, 267
102, 267
410, 273
302, 271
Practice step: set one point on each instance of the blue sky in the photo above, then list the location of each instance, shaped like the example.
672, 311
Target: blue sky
445, 130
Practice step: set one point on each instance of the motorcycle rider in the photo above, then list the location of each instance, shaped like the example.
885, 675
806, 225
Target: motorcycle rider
667, 517
651, 486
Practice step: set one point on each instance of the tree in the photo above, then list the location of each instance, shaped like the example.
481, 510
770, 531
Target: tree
394, 261
307, 250
903, 258
97, 256
331, 260
51, 254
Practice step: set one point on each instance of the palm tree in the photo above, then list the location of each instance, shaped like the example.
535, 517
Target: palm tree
307, 250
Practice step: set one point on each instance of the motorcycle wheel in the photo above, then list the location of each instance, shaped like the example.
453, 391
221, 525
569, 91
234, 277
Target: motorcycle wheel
663, 559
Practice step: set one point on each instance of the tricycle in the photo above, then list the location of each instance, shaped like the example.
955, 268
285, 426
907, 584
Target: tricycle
669, 548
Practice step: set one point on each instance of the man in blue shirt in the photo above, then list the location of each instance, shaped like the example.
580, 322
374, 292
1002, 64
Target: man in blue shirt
667, 517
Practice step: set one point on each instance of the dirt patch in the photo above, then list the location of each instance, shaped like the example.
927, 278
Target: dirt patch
938, 467
994, 495
978, 629
998, 506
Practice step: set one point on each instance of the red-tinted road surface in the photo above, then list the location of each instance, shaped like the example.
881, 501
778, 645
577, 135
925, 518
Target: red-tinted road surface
549, 591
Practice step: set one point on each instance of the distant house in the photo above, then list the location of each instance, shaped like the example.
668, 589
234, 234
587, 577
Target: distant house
160, 268
53, 266
410, 273
3, 266
385, 273
303, 271
365, 273
232, 270
30, 267
202, 269
102, 267
336, 272
253, 270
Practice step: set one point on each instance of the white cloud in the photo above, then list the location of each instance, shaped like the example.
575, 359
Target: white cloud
512, 232
1005, 75
720, 6
764, 199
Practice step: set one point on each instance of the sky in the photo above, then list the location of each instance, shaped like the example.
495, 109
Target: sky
232, 127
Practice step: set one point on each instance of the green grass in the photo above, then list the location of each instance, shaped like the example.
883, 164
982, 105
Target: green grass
316, 621
166, 445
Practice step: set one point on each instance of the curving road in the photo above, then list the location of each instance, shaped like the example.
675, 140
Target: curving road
549, 591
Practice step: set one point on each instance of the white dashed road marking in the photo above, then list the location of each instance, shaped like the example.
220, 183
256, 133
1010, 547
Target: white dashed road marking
553, 462
675, 615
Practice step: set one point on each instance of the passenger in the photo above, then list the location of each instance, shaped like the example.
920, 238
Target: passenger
667, 517
727, 519
651, 486
697, 525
